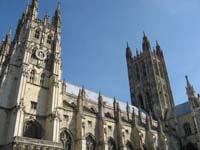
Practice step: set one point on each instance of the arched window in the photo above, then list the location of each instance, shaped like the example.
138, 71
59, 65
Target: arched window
42, 78
32, 129
33, 53
129, 146
90, 143
149, 101
144, 70
66, 140
141, 102
49, 39
32, 76
137, 72
111, 144
37, 33
187, 129
161, 70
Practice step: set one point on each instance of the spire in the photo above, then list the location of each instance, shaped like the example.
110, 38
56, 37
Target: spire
128, 51
158, 49
189, 88
187, 81
34, 9
46, 18
100, 100
56, 21
8, 35
148, 122
146, 44
128, 110
134, 124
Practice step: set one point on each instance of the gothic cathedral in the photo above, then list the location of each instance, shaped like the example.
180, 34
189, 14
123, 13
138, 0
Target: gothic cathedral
40, 111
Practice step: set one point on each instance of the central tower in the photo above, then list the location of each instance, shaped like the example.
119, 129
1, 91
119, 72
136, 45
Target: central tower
148, 80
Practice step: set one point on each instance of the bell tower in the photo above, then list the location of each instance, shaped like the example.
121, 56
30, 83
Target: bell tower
148, 80
31, 90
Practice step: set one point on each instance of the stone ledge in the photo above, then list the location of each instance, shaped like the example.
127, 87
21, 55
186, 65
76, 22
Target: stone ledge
24, 143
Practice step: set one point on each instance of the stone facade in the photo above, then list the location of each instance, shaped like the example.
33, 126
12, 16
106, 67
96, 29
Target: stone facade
40, 111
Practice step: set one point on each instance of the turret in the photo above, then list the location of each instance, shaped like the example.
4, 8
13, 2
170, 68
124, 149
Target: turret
128, 111
56, 21
128, 52
158, 49
33, 10
101, 106
189, 88
5, 46
46, 19
146, 44
193, 100
101, 117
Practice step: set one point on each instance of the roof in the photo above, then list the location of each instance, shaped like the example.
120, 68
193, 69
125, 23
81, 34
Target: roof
93, 96
182, 109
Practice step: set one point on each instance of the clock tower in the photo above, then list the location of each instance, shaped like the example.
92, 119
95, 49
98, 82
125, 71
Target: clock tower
31, 83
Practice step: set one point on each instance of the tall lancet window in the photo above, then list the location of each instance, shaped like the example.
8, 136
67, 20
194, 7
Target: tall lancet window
137, 72
66, 140
49, 39
32, 76
42, 78
141, 102
90, 143
111, 144
37, 33
187, 129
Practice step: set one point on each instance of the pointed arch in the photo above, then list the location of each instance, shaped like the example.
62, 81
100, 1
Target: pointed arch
187, 129
37, 33
137, 72
32, 75
33, 52
32, 129
141, 101
90, 142
129, 145
49, 38
42, 79
66, 139
144, 70
149, 101
111, 144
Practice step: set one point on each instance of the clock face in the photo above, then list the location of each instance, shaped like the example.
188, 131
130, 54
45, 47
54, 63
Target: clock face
41, 55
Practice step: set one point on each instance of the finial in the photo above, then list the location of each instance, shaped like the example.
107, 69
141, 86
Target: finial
10, 30
127, 45
144, 34
83, 87
187, 80
137, 53
58, 4
157, 44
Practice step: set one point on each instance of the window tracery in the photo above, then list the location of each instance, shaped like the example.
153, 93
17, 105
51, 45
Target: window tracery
66, 140
32, 129
37, 33
111, 144
90, 143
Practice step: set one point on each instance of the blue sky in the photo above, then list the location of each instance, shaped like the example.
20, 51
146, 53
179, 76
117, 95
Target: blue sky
95, 32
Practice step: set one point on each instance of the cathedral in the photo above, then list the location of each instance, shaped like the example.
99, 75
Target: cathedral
40, 111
